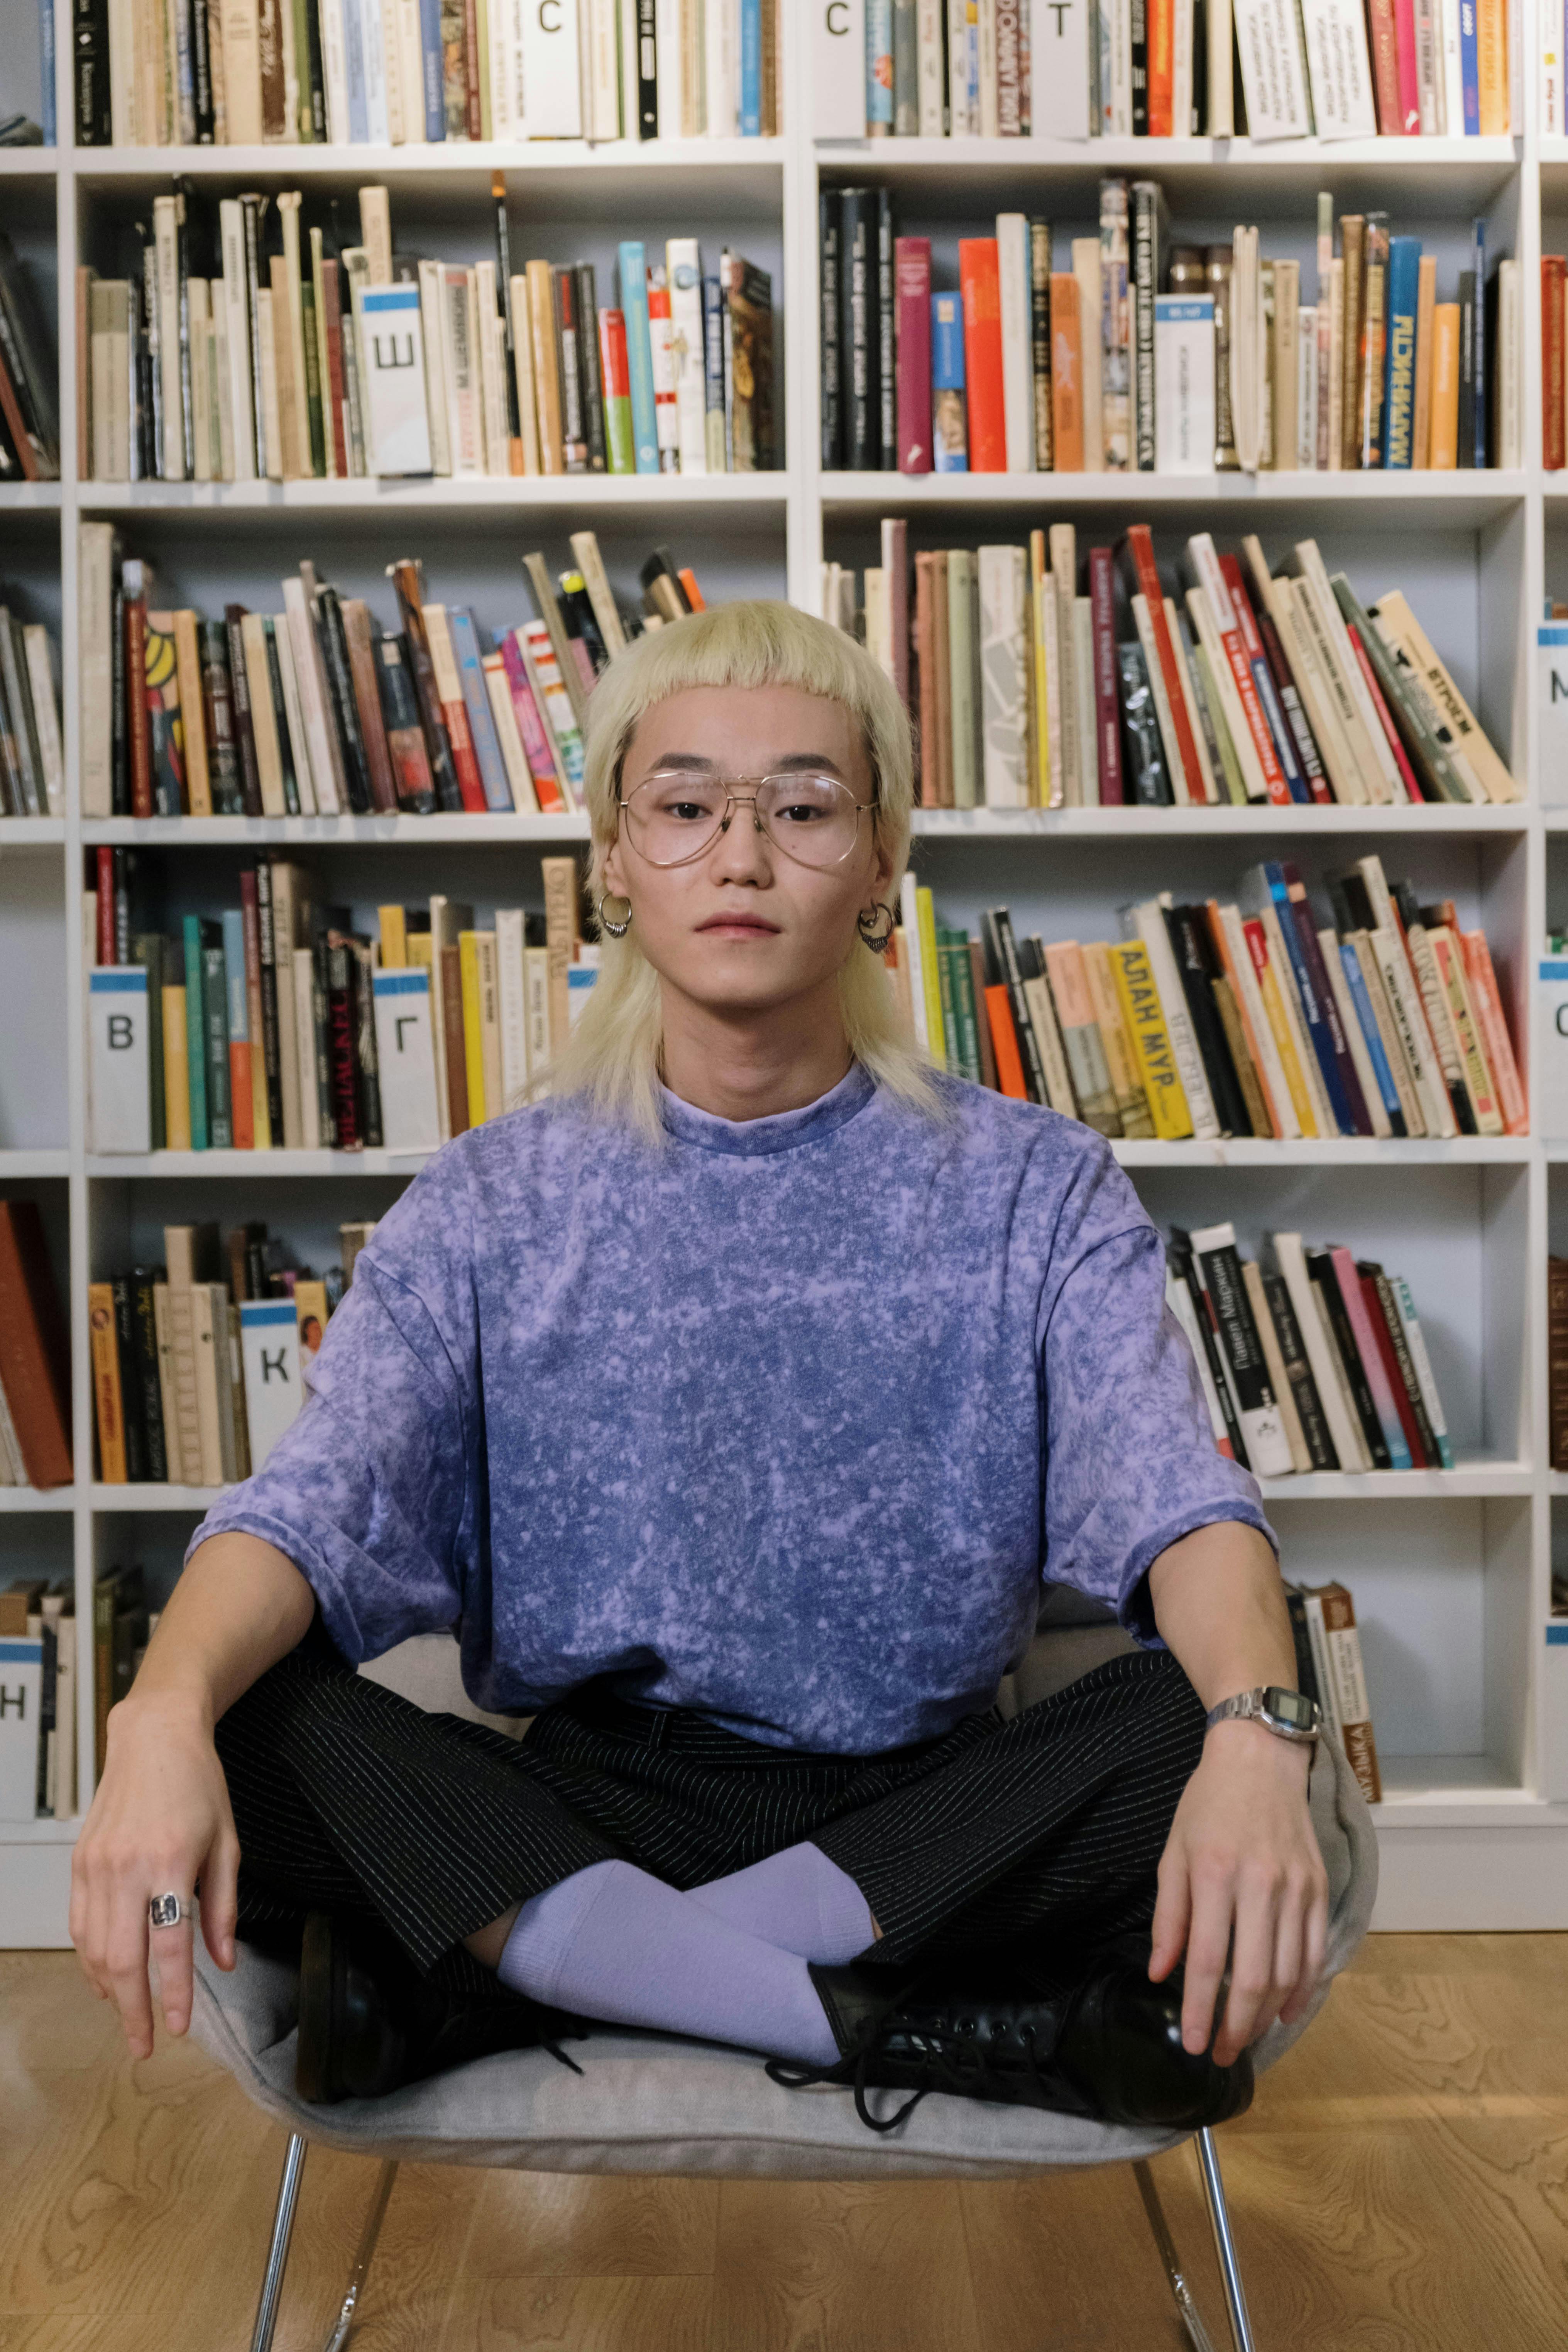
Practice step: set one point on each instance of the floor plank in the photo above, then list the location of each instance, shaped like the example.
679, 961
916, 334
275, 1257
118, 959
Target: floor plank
1400, 2185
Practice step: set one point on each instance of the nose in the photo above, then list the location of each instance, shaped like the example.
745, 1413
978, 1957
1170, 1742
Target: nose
742, 852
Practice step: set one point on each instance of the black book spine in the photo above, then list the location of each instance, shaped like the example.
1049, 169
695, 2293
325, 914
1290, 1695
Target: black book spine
443, 775
202, 74
1487, 372
1139, 68
368, 1067
829, 239
345, 706
89, 46
217, 710
1141, 730
183, 315
1301, 1641
266, 946
1468, 367
1002, 958
1321, 1266
1185, 1272
280, 716
119, 747
145, 1348
316, 81
152, 377
1041, 338
573, 439
887, 345
858, 332
1298, 1372
239, 703
1401, 1347
1186, 945
132, 1404
400, 711
326, 1093
342, 1060
648, 72
588, 361
1145, 277
250, 212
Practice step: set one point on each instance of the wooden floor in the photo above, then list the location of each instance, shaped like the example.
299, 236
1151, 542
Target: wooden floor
1401, 2181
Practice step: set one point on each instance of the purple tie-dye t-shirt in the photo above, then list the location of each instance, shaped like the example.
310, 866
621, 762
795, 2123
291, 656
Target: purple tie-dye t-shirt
782, 1423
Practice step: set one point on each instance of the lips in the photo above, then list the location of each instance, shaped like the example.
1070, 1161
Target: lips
738, 923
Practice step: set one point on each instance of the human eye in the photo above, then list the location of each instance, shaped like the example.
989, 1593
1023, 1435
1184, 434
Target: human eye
804, 799
681, 797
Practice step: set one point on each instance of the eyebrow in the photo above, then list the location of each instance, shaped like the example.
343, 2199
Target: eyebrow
792, 763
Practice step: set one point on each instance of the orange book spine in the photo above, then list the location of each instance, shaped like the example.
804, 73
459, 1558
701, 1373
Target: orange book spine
1491, 66
241, 1111
106, 1396
979, 282
1551, 304
1067, 374
1512, 1101
1445, 387
1004, 1043
1160, 32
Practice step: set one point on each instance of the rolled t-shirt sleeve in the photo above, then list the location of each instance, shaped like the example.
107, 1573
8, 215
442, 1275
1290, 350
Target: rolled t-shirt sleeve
1130, 1461
371, 1490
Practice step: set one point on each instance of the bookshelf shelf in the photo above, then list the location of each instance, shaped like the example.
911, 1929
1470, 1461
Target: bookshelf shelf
1451, 1570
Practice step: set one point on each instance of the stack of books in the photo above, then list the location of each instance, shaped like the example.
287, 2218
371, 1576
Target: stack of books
34, 1355
1331, 1669
32, 762
1242, 687
1319, 1364
245, 345
1130, 352
29, 444
277, 1025
319, 711
197, 1361
1168, 69
37, 1725
1249, 1018
238, 73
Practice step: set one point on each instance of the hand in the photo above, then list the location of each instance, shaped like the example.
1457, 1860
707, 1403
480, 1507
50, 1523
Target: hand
160, 1819
1242, 1854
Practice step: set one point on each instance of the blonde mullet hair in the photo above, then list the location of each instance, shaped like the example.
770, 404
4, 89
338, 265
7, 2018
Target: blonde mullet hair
611, 1057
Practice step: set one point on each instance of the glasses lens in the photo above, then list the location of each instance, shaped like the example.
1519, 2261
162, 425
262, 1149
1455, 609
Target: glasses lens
673, 815
812, 817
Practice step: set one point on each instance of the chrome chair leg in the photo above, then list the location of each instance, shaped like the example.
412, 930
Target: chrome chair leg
1191, 2316
368, 2235
278, 2252
1225, 2246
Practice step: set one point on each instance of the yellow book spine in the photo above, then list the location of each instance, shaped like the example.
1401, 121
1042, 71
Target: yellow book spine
1492, 69
1145, 1019
473, 1031
176, 1074
1472, 1052
1269, 989
935, 1032
1040, 708
418, 946
393, 925
106, 1391
261, 1115
1121, 1058
1445, 387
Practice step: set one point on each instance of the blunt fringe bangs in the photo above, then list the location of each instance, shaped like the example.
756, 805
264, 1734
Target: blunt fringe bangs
612, 1058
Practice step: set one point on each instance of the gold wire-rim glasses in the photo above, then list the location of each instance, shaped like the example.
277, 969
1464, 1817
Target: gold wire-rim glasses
732, 800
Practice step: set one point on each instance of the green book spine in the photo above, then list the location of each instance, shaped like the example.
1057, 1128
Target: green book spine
963, 1006
619, 438
944, 985
195, 1033
147, 947
215, 1002
314, 383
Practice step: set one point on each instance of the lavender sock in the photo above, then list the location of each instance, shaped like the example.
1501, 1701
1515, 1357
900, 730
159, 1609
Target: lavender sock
613, 1942
797, 1899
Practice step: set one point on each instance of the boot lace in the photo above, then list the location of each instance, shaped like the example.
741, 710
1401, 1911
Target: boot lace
958, 2056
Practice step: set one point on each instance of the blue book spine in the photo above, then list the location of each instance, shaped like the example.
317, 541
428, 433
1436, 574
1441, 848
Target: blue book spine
195, 1033
1311, 1011
947, 376
879, 66
1355, 983
750, 69
639, 353
47, 48
477, 702
432, 68
234, 972
713, 352
1279, 727
1470, 70
354, 71
1399, 379
1481, 454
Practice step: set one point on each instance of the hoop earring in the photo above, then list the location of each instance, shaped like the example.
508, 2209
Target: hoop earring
870, 936
615, 930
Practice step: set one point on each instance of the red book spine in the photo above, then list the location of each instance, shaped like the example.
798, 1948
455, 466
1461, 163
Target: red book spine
1386, 718
105, 863
912, 282
337, 393
980, 281
535, 742
1404, 62
471, 62
1102, 619
16, 425
1004, 1042
1161, 31
1554, 273
1385, 65
138, 717
470, 783
1395, 1378
1141, 546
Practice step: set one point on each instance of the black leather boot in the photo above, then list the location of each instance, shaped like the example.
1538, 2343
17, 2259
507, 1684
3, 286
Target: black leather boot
369, 2022
1109, 2047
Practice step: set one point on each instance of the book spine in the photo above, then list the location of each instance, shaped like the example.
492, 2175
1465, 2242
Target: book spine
913, 265
1103, 606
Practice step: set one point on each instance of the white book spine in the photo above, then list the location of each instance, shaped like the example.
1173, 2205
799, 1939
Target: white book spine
95, 622
511, 976
120, 1049
1004, 700
1184, 383
1118, 96
334, 70
930, 68
1059, 69
1453, 68
1307, 390
312, 697
1273, 74
299, 743
667, 38
909, 915
21, 1705
406, 1052
1340, 69
1322, 1356
45, 714
378, 125
391, 340
1086, 268
305, 1047
237, 319
1017, 378
270, 1350
164, 235
964, 121
411, 66
683, 262
1181, 32
720, 51
536, 983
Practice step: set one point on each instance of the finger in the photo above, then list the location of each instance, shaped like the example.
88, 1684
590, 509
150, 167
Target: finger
1209, 1942
1314, 1947
97, 1945
1252, 1966
1172, 1910
125, 1960
170, 1954
1290, 1948
220, 1899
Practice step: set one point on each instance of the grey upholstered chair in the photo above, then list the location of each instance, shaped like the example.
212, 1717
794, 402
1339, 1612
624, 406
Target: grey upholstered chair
654, 2105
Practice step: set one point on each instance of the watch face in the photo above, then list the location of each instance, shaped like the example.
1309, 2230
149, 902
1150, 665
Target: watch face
1292, 1707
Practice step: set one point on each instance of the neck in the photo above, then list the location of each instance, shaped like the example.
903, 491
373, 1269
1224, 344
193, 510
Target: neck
744, 1066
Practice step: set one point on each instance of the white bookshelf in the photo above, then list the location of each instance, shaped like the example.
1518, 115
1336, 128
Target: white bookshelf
1450, 1568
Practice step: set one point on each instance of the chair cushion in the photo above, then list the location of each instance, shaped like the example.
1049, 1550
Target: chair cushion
657, 2104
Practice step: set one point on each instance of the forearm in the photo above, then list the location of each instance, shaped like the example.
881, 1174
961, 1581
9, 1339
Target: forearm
239, 1606
1219, 1606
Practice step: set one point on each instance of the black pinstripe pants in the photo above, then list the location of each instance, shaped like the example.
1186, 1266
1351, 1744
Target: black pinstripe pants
1023, 1838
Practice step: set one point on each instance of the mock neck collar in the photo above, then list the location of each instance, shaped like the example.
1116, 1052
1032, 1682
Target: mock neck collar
783, 1131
